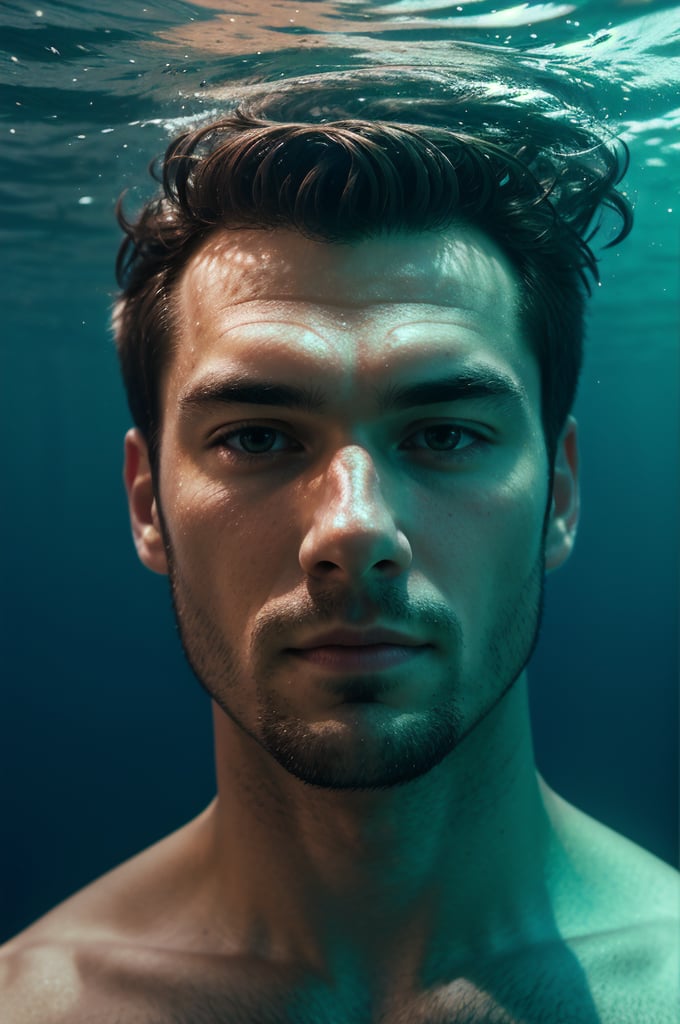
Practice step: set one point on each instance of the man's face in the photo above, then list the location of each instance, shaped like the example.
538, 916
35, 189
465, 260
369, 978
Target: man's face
352, 484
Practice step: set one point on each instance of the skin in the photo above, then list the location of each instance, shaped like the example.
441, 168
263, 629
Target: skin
381, 847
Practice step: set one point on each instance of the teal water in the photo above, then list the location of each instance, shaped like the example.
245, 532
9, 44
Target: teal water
105, 740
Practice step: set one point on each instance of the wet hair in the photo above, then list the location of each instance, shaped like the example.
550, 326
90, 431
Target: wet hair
362, 163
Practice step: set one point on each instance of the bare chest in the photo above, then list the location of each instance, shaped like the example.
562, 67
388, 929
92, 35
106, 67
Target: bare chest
532, 1000
471, 1008
555, 987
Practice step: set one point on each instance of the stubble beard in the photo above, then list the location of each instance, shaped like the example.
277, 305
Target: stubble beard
404, 746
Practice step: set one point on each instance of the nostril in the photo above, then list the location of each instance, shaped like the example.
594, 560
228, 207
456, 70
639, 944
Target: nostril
326, 566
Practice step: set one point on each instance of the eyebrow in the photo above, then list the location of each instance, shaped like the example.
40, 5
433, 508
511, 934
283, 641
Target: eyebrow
484, 383
241, 389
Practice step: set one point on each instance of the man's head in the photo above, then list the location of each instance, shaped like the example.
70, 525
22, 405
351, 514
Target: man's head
351, 493
353, 453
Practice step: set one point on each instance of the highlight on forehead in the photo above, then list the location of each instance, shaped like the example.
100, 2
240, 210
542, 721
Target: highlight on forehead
223, 261
235, 266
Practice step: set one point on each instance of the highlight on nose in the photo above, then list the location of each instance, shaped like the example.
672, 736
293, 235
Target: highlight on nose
352, 531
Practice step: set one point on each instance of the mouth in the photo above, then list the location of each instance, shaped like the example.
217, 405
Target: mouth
367, 657
347, 649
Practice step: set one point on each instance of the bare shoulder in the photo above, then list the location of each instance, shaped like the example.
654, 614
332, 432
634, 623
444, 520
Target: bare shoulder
632, 973
65, 965
621, 884
52, 972
618, 909
84, 980
39, 983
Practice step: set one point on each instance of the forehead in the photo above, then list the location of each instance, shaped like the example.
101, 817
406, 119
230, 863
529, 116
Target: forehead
456, 266
277, 302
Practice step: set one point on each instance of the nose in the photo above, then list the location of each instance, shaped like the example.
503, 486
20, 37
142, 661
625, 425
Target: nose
352, 534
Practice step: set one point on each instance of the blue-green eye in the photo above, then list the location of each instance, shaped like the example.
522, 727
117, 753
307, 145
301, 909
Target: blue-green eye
442, 437
255, 440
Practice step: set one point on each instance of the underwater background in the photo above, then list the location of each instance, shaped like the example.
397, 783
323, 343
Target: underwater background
105, 736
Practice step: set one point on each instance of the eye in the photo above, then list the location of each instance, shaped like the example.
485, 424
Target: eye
255, 440
443, 437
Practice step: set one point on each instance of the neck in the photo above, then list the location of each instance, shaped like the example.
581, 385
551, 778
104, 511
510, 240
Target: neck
316, 875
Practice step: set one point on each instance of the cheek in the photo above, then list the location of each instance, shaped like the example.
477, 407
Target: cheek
484, 540
511, 533
221, 543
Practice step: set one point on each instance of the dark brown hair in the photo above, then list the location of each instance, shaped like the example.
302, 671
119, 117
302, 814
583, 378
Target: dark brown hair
534, 182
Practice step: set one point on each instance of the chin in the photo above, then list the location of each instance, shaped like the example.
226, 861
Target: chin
362, 745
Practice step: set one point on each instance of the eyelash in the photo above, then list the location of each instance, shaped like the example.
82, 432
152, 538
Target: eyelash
478, 441
221, 440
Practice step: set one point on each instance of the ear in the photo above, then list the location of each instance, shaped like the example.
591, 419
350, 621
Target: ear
564, 512
144, 518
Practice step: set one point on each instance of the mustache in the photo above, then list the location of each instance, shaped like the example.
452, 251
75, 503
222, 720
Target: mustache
390, 608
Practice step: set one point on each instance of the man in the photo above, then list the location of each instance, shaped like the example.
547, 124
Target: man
350, 347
